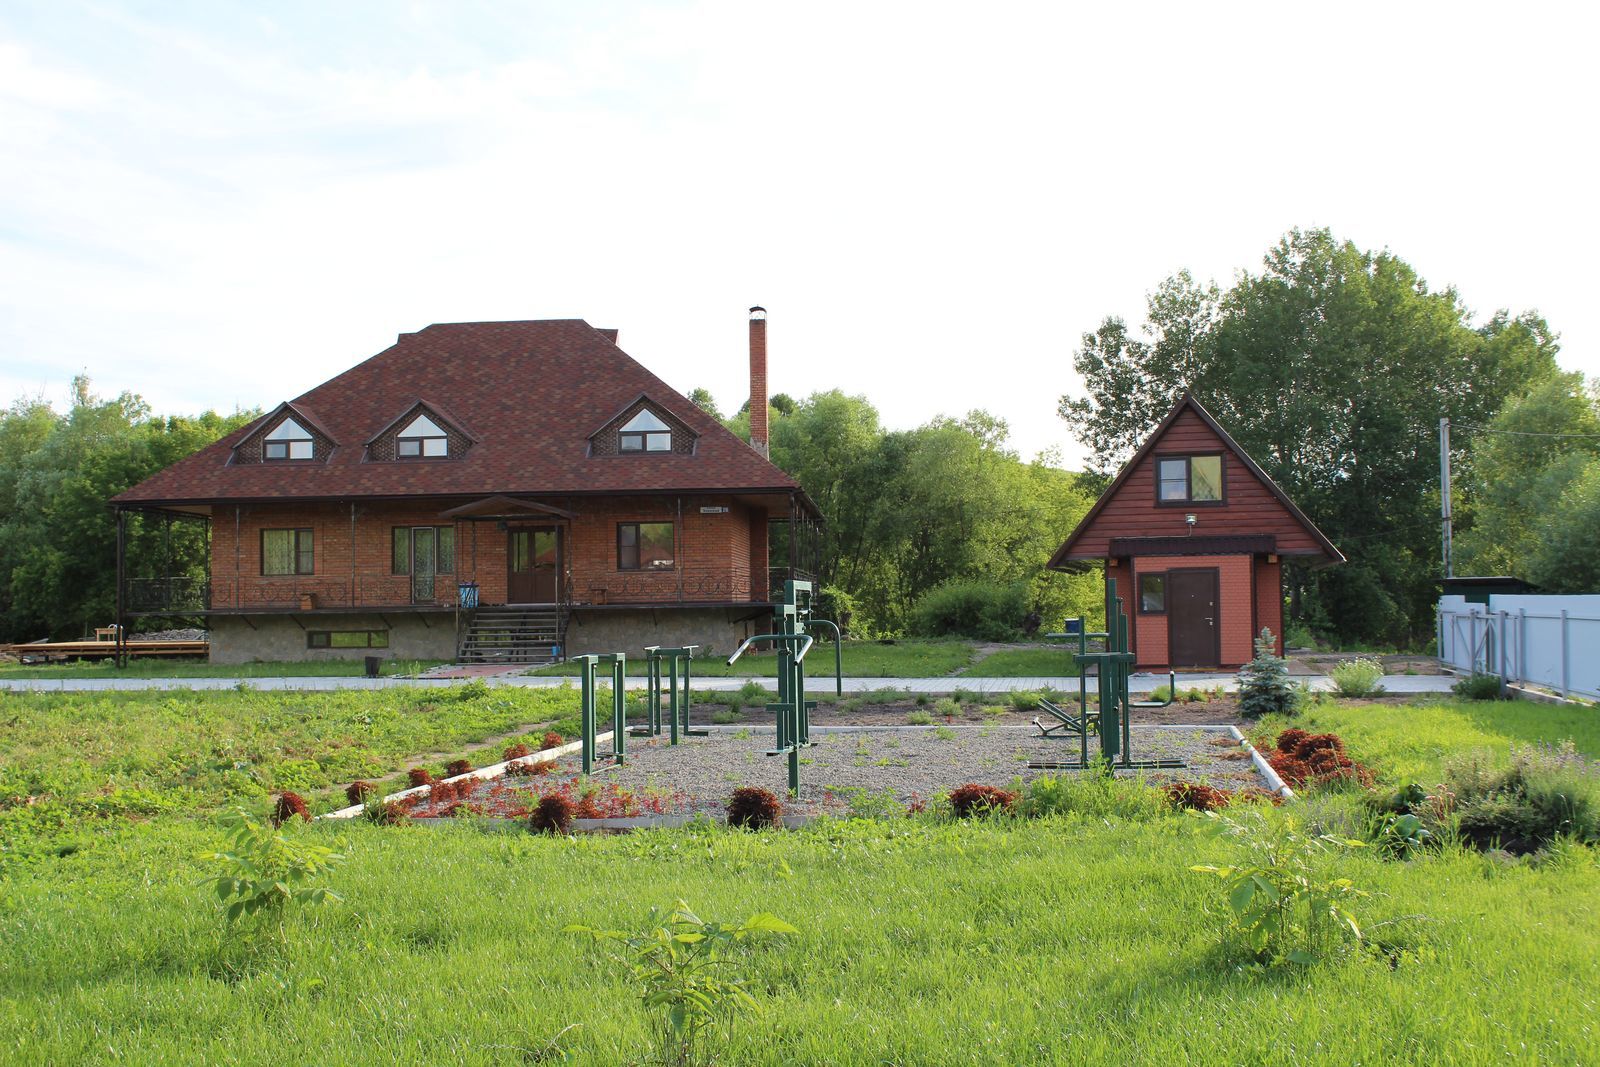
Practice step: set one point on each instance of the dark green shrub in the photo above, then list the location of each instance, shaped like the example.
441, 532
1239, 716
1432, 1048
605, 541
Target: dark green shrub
1521, 808
982, 610
1264, 686
1478, 687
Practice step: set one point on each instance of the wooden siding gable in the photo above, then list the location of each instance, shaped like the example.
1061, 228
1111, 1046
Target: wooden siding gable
1252, 505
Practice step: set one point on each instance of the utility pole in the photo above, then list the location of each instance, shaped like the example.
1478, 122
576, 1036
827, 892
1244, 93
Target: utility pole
1444, 495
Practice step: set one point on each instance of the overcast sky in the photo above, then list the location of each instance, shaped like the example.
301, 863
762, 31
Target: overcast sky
224, 205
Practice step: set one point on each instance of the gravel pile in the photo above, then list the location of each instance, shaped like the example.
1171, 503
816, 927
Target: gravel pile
909, 762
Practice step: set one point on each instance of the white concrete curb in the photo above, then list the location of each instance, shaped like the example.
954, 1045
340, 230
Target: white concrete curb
497, 770
1273, 781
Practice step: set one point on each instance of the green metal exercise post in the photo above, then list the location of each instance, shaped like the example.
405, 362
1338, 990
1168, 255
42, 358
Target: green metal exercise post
1112, 665
791, 619
672, 668
617, 665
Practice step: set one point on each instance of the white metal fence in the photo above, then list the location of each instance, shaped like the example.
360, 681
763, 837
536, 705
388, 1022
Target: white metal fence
1549, 641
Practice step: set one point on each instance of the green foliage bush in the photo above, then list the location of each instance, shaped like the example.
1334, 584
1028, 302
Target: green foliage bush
1264, 686
1543, 795
689, 968
267, 868
1477, 687
1357, 677
985, 611
1282, 901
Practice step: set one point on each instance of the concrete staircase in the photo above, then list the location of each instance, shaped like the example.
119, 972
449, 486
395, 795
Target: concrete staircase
524, 634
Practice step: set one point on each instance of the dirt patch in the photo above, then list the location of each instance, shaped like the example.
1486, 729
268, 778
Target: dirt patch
847, 767
1304, 662
898, 713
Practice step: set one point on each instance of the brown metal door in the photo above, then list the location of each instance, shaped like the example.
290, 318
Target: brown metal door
1192, 619
533, 556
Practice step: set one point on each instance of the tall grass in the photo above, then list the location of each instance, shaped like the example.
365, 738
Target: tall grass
921, 943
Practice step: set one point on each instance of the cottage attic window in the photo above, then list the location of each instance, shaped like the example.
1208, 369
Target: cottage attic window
645, 432
1189, 480
421, 437
289, 440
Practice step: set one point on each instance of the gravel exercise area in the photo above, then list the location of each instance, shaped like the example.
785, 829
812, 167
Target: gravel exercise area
910, 763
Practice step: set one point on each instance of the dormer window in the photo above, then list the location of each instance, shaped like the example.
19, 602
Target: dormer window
289, 440
645, 432
421, 437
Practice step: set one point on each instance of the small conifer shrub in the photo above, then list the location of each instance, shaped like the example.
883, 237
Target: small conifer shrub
1264, 686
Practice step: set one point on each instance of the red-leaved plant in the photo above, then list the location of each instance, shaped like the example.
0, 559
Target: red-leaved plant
973, 799
1196, 796
358, 792
552, 815
458, 766
516, 752
287, 806
753, 808
419, 776
551, 740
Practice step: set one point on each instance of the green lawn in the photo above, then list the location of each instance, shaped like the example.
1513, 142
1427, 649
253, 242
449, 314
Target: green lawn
1045, 661
183, 667
1411, 742
1080, 938
908, 658
89, 757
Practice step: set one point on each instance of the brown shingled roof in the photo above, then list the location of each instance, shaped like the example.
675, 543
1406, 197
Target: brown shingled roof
532, 392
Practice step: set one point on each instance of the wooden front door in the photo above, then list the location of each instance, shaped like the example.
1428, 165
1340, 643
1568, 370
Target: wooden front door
534, 558
1192, 619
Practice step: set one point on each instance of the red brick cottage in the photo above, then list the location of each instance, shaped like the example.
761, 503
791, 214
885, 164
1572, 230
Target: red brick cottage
1194, 532
594, 506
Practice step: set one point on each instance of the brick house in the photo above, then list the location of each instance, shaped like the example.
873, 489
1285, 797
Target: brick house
592, 507
1195, 534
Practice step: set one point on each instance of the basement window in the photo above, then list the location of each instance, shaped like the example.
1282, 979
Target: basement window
1189, 480
644, 546
422, 437
288, 440
347, 638
645, 432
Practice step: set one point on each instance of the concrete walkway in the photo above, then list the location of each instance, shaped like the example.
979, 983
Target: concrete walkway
1140, 683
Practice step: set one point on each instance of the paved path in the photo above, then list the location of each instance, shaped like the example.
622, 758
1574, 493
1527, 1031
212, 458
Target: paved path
1140, 683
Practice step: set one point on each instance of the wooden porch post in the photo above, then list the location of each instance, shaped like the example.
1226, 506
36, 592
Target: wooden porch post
121, 618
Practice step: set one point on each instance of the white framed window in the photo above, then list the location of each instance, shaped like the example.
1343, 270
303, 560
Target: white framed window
645, 432
421, 437
288, 440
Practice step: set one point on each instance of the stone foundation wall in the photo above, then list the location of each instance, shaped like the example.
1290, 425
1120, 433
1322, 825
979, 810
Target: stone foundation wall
717, 631
281, 638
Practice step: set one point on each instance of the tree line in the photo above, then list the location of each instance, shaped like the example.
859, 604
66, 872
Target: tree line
1332, 367
57, 472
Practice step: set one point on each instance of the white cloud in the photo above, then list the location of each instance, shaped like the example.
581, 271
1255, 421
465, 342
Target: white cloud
933, 200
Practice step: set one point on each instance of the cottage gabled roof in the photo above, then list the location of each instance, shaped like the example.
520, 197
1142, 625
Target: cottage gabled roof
532, 393
1095, 537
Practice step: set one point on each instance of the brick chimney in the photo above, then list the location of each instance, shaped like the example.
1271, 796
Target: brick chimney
758, 379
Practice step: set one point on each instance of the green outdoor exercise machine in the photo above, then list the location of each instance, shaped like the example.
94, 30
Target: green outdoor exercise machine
1112, 665
668, 672
589, 666
791, 619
